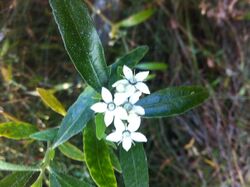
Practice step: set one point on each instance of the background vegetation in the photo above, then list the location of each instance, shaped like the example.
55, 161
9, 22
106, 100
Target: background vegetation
202, 42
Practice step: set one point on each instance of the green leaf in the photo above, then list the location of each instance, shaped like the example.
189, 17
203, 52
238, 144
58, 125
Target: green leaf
130, 59
152, 66
115, 161
81, 40
45, 135
173, 101
16, 179
16, 130
51, 101
71, 151
136, 19
100, 126
14, 167
62, 180
39, 181
77, 117
134, 166
96, 153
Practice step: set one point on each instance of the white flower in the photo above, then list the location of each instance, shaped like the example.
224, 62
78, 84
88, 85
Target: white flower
130, 106
126, 134
132, 82
110, 107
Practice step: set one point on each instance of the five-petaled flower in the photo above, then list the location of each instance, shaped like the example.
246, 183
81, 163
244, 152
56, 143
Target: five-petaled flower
132, 83
111, 107
126, 134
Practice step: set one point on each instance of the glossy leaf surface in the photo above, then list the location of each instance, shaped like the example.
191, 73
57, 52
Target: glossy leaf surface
51, 101
134, 166
81, 40
173, 101
45, 135
97, 158
16, 179
16, 130
71, 151
77, 117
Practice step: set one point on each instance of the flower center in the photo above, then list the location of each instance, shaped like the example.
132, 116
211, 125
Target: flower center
128, 106
111, 106
126, 134
132, 81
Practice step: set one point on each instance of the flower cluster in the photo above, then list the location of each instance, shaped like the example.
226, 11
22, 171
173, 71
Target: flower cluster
122, 109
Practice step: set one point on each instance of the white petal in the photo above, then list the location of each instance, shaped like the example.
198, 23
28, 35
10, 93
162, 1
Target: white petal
114, 137
126, 143
128, 73
138, 137
99, 107
134, 122
142, 87
139, 110
135, 97
141, 76
120, 98
108, 118
121, 113
130, 89
119, 125
106, 95
119, 82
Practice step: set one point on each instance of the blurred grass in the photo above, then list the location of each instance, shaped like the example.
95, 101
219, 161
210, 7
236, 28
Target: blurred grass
202, 42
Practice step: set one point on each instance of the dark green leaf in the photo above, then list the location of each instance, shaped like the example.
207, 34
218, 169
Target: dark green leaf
14, 167
136, 19
16, 130
45, 135
16, 179
100, 126
97, 158
77, 117
134, 166
51, 101
71, 151
115, 161
173, 101
152, 66
130, 59
81, 40
62, 180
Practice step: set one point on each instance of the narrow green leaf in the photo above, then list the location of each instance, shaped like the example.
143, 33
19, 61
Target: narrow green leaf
39, 181
134, 166
16, 130
14, 167
130, 59
173, 101
100, 126
81, 40
51, 101
62, 180
115, 161
77, 116
45, 135
71, 151
97, 158
136, 19
152, 66
17, 179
